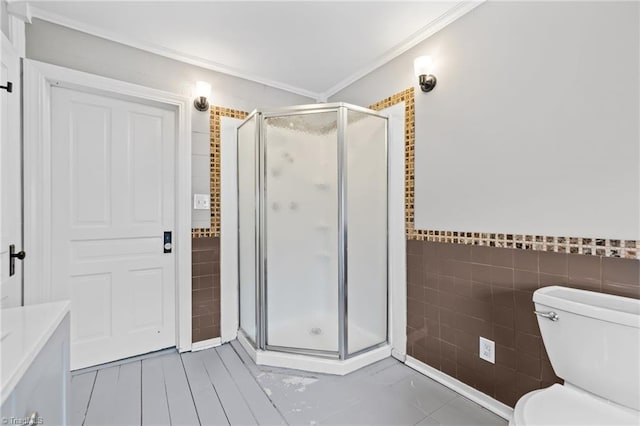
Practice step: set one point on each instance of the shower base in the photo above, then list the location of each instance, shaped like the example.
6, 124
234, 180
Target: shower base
307, 334
312, 363
316, 332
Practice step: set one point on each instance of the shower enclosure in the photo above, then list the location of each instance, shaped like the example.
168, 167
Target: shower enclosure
312, 223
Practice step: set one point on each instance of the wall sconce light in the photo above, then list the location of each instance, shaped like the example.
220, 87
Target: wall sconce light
423, 66
201, 92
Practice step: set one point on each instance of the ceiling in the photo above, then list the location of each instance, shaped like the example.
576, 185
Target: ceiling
314, 48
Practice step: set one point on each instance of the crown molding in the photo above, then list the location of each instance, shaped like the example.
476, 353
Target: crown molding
55, 18
428, 30
460, 9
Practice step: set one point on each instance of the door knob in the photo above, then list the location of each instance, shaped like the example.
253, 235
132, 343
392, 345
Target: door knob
12, 258
19, 255
168, 246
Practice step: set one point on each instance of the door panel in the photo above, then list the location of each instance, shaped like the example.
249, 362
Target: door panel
113, 192
145, 167
95, 292
90, 139
147, 289
10, 177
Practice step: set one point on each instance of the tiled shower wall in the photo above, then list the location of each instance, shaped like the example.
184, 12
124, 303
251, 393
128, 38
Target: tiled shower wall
463, 285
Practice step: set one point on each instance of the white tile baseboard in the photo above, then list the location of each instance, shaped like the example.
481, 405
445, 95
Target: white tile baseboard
206, 344
463, 389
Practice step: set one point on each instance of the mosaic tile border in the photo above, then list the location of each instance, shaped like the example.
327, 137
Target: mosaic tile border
588, 246
216, 112
406, 96
629, 249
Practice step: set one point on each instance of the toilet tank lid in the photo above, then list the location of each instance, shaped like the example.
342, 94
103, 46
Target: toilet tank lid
605, 307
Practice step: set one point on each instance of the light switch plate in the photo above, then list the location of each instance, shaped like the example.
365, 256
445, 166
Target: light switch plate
488, 350
201, 201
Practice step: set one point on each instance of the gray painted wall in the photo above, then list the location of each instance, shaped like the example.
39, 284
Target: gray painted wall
59, 45
534, 125
69, 48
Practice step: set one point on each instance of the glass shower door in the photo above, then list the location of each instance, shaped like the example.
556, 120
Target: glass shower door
366, 207
247, 215
301, 231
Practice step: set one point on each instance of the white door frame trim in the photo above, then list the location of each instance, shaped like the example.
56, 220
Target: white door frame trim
38, 80
397, 241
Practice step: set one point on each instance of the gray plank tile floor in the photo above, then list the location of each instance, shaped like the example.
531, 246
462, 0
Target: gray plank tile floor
223, 386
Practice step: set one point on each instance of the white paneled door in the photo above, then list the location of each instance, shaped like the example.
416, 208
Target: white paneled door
113, 185
10, 180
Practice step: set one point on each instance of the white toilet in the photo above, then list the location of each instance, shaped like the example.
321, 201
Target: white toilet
593, 342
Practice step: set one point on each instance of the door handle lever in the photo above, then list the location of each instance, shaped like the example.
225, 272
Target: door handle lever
19, 255
12, 258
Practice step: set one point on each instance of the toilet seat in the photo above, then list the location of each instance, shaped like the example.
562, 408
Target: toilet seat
564, 406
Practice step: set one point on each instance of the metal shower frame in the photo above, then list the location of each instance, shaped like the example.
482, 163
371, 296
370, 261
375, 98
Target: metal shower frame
340, 109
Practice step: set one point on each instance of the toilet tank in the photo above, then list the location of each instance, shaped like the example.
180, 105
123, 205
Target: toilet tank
594, 343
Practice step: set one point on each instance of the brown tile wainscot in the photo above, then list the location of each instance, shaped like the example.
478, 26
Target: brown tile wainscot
458, 292
205, 288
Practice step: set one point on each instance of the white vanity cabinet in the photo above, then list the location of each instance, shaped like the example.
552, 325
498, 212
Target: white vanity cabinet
35, 364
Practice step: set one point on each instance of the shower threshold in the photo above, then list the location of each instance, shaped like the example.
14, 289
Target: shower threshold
312, 363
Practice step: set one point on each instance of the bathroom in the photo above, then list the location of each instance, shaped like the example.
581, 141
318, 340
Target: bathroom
278, 227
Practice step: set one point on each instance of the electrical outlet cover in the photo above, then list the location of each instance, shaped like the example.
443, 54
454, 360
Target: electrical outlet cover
488, 350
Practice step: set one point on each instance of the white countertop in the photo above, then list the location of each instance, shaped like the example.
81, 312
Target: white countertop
23, 333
